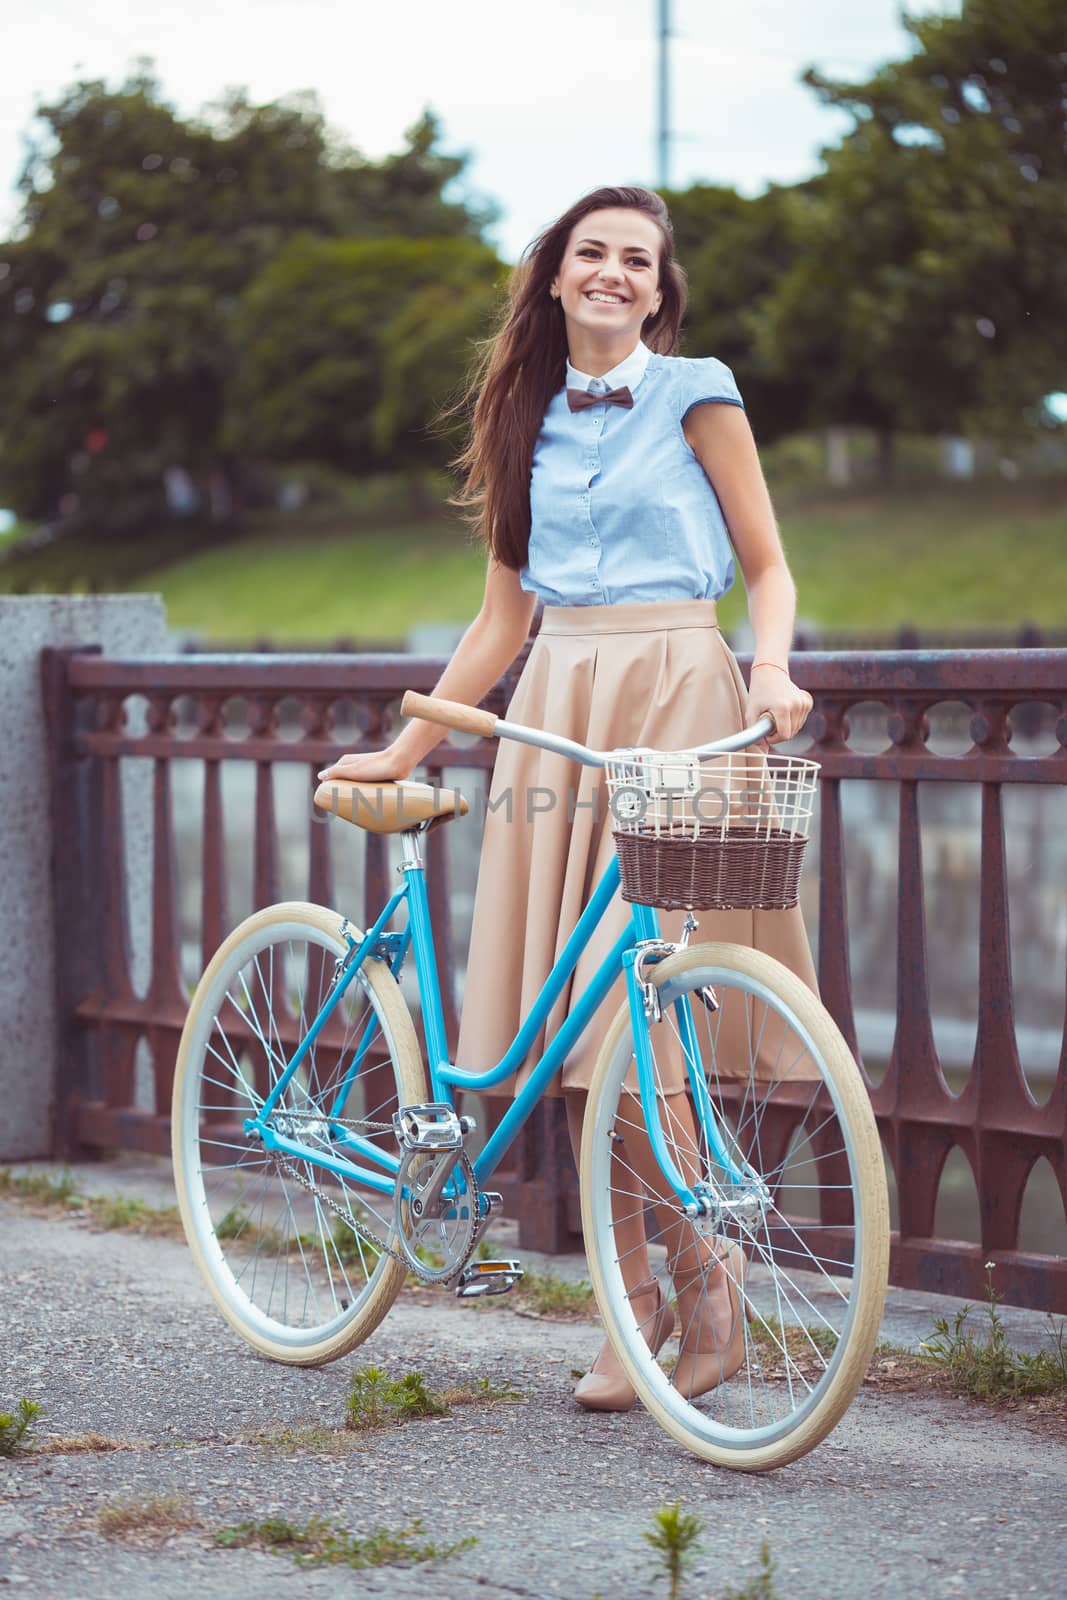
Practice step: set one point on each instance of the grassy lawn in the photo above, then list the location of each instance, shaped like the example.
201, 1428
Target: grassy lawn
960, 556
364, 586
944, 557
938, 556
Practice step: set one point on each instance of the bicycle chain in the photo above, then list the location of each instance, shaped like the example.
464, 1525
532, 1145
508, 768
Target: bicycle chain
366, 1233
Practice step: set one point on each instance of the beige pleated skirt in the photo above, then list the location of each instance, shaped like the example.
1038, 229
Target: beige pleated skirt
656, 674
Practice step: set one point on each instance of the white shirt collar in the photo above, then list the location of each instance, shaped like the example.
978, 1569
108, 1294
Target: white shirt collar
628, 373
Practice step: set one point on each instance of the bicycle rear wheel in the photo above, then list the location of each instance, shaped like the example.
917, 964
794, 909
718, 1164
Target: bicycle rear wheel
282, 1257
785, 1143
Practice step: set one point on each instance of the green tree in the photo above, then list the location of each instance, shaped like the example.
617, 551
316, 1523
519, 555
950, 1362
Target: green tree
140, 235
427, 350
736, 251
334, 365
931, 287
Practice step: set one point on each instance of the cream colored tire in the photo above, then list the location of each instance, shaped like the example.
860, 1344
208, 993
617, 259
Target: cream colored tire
814, 1325
253, 1232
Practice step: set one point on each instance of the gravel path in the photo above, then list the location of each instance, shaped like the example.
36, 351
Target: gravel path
113, 1334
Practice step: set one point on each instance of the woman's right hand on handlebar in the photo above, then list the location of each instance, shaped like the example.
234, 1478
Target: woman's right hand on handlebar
370, 766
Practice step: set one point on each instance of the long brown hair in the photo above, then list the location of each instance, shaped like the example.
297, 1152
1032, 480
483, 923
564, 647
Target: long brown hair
524, 363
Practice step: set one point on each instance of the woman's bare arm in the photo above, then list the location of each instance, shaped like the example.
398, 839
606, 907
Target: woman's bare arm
486, 650
722, 441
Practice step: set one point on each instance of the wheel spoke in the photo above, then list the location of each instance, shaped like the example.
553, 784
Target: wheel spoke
277, 1235
777, 1278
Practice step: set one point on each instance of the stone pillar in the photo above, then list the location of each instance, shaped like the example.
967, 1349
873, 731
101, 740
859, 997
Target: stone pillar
133, 624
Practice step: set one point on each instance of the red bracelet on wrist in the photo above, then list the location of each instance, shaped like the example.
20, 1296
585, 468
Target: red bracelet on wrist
774, 664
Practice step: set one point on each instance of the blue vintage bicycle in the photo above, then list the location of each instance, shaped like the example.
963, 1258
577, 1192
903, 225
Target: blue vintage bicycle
318, 1163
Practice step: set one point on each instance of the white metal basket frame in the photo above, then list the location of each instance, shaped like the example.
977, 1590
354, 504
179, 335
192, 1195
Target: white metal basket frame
684, 795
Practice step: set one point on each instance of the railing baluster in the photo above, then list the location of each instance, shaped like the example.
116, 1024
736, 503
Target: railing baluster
107, 884
318, 725
165, 1000
835, 978
214, 910
266, 889
1002, 1098
913, 1093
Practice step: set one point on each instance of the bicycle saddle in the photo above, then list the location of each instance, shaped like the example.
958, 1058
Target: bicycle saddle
389, 807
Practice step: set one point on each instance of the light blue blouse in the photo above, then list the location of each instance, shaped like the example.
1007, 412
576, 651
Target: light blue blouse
621, 509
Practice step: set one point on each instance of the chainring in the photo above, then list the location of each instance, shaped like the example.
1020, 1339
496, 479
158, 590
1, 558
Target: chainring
436, 1244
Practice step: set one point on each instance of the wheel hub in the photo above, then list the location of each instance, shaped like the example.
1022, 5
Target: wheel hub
745, 1206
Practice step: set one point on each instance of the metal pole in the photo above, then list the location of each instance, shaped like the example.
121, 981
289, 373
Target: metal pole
664, 135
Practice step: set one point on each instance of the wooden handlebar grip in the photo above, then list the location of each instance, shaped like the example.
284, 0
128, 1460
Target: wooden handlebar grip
449, 713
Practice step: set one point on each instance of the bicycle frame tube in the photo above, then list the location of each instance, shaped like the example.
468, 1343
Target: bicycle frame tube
353, 961
384, 1181
578, 1018
455, 1077
445, 1077
272, 1140
705, 1111
647, 1084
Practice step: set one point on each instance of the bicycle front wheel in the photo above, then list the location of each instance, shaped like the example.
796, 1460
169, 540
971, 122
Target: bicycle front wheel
780, 1285
276, 1239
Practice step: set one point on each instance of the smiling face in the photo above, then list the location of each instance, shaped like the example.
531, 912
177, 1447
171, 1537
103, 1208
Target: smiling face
608, 281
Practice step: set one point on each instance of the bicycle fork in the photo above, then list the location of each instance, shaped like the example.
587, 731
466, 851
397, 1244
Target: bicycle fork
706, 1199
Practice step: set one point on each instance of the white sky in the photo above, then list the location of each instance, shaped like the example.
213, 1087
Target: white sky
551, 97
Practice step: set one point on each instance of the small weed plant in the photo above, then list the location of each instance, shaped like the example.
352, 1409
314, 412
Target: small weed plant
85, 1444
675, 1538
16, 1427
120, 1213
375, 1400
340, 1245
41, 1188
547, 1295
379, 1400
315, 1438
990, 1368
320, 1544
346, 1246
762, 1586
232, 1223
801, 1348
483, 1392
150, 1520
58, 1192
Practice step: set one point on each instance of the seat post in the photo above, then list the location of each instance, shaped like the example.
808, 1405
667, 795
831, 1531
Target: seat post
409, 839
425, 960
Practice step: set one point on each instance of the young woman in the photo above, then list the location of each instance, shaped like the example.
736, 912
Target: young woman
610, 479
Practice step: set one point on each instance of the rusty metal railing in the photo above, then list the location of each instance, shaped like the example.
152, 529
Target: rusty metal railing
216, 710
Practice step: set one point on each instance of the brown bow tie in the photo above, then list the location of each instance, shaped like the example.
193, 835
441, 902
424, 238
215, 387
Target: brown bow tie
581, 399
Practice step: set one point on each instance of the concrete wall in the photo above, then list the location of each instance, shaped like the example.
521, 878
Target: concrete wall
122, 625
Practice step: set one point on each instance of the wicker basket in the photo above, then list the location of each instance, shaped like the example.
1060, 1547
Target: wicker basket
717, 833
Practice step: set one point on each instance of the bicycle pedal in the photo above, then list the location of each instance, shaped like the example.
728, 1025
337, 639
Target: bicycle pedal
431, 1127
481, 1278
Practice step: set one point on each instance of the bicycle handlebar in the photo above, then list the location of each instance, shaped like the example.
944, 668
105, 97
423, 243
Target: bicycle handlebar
469, 719
449, 713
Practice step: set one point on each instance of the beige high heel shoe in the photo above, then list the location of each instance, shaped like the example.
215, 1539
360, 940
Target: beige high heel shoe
605, 1386
704, 1360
